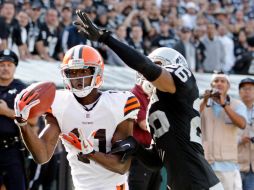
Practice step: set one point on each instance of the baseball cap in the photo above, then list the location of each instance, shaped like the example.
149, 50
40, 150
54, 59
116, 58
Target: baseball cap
245, 81
185, 29
36, 5
191, 5
8, 55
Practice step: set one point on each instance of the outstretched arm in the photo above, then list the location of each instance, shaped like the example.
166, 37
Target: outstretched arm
160, 78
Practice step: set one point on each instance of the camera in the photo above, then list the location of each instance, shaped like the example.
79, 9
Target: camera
214, 93
210, 93
252, 139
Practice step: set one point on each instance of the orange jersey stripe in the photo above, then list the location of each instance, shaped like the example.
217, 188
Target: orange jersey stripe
131, 107
132, 99
120, 187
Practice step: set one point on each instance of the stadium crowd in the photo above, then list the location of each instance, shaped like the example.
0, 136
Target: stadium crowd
210, 34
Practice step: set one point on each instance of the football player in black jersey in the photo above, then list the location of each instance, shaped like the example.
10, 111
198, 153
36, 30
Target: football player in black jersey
173, 115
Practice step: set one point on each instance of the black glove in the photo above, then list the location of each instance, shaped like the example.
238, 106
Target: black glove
127, 147
88, 28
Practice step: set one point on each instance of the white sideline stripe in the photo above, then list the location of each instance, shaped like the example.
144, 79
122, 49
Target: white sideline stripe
218, 186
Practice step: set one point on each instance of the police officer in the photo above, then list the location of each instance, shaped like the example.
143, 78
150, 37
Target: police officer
245, 63
12, 173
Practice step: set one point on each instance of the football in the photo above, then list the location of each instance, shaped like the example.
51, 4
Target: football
46, 94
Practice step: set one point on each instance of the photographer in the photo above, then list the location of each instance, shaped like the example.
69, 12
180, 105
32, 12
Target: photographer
246, 144
221, 118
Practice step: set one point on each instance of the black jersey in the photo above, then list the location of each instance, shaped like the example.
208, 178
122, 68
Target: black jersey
175, 125
51, 40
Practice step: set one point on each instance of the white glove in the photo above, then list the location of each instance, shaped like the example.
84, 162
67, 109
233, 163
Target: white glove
86, 143
24, 101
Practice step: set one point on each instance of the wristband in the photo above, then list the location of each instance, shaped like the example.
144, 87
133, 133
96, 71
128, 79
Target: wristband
224, 105
20, 124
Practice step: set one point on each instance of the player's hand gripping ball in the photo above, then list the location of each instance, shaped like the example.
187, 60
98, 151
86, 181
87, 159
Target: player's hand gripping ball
34, 101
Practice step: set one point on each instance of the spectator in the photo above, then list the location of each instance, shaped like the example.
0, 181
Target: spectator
186, 47
200, 48
245, 147
214, 50
244, 63
165, 37
248, 9
165, 8
112, 16
238, 22
221, 117
221, 17
48, 44
66, 18
136, 39
102, 18
23, 20
241, 45
249, 28
189, 18
228, 46
12, 171
13, 29
112, 58
34, 26
154, 16
58, 5
71, 38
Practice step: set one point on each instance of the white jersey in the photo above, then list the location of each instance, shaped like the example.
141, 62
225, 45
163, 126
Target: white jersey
112, 108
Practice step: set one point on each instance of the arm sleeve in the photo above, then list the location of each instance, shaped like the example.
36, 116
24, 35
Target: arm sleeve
134, 59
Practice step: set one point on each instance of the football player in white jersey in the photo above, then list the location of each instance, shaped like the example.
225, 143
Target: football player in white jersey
87, 120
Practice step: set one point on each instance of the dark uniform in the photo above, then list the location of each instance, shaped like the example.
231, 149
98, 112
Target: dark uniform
12, 173
11, 159
175, 125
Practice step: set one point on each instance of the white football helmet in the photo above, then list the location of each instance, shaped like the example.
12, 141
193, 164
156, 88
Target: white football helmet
82, 57
167, 56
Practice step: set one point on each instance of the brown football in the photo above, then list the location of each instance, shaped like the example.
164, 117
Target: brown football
46, 94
